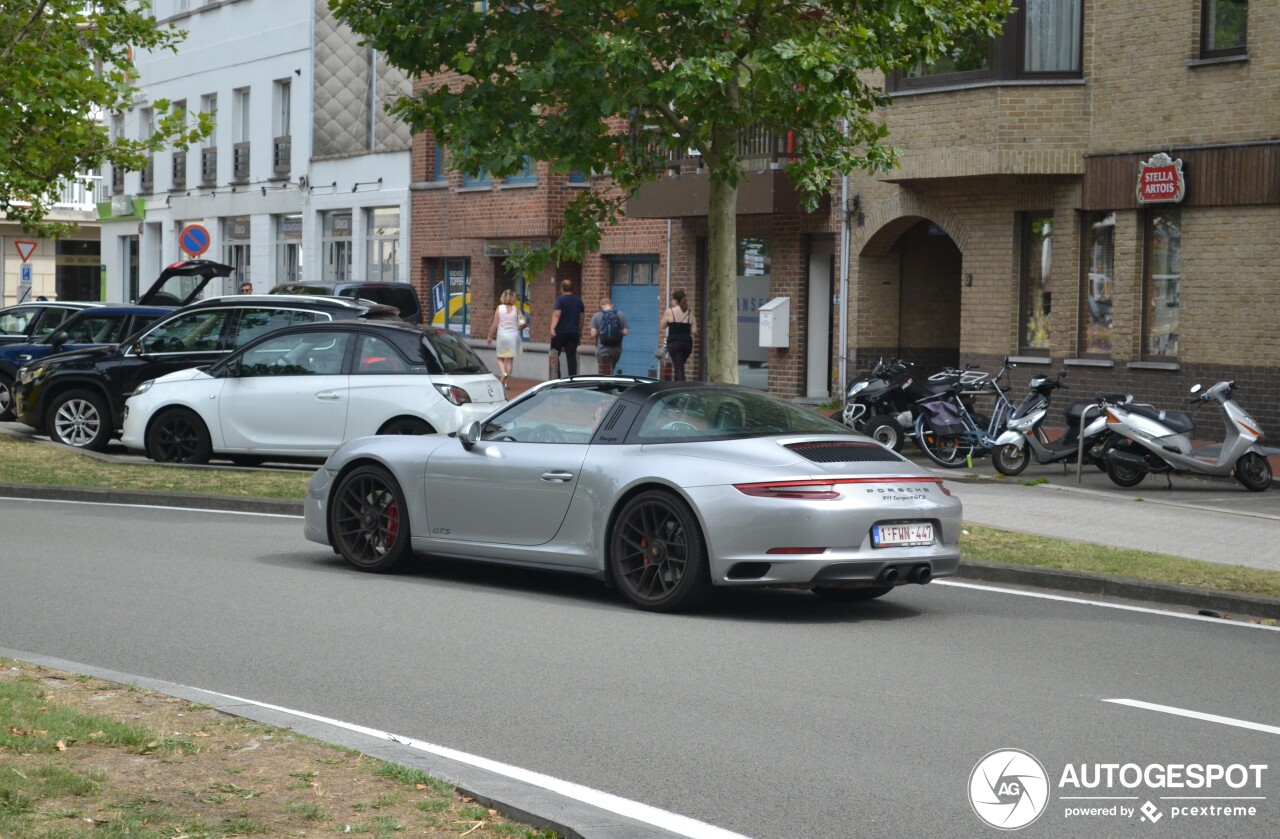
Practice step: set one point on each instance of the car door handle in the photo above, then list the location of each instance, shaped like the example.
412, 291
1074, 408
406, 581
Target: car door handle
329, 395
556, 477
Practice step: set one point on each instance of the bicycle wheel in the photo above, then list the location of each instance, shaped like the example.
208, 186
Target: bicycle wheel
947, 452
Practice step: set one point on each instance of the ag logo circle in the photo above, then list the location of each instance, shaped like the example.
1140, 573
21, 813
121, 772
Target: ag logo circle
1008, 789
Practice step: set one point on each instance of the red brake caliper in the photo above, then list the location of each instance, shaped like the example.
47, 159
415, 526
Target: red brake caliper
644, 544
393, 521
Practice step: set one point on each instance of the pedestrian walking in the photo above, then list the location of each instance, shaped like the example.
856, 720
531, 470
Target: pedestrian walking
608, 328
566, 326
680, 327
507, 323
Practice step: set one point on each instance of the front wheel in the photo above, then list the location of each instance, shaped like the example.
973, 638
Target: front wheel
369, 520
6, 398
886, 431
656, 553
80, 419
947, 452
1254, 471
178, 436
1010, 460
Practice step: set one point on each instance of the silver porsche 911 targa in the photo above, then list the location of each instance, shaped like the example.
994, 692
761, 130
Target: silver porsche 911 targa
659, 488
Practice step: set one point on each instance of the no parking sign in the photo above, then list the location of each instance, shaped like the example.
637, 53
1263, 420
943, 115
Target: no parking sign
194, 239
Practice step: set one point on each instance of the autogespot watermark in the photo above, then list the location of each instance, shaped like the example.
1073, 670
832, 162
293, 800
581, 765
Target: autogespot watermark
1009, 789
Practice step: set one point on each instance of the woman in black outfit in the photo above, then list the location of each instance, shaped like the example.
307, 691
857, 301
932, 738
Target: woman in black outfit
680, 327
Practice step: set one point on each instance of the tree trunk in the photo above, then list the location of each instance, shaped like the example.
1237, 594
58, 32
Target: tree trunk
720, 318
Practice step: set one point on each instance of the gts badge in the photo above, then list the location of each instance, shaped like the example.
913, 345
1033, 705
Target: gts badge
439, 531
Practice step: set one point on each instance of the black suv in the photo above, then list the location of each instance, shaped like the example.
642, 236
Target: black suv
78, 397
401, 295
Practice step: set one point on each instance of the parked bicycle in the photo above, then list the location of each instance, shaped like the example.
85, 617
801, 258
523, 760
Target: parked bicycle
951, 433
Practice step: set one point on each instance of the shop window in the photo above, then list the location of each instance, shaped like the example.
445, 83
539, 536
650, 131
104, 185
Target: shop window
1098, 270
1224, 27
382, 244
335, 245
633, 270
1037, 287
450, 281
288, 248
1040, 39
1162, 283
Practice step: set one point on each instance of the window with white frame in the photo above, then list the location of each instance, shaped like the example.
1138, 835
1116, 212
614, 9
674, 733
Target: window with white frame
382, 244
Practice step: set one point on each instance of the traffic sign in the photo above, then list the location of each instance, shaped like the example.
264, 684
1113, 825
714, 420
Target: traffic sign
25, 276
194, 239
25, 249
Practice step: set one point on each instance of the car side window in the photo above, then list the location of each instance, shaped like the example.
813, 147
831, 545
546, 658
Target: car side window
49, 322
296, 354
16, 322
95, 329
554, 415
191, 332
378, 356
255, 322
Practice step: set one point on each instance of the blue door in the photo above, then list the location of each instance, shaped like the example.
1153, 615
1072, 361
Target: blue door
641, 306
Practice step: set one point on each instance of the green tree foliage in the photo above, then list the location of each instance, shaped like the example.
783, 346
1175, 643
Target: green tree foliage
617, 87
64, 65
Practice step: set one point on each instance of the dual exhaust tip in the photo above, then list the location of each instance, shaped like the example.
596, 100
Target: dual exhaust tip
920, 574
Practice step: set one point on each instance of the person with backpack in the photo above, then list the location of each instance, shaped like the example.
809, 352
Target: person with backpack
608, 327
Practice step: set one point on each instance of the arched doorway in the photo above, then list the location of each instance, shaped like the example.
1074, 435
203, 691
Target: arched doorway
909, 288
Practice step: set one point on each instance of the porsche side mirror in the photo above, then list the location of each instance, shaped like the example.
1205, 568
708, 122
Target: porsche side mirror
470, 436
59, 339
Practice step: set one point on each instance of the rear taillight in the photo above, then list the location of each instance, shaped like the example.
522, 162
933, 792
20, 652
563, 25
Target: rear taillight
820, 490
454, 394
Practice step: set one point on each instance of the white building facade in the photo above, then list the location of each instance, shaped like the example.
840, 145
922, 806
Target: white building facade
305, 177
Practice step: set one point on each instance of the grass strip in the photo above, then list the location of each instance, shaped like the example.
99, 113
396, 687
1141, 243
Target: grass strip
1004, 546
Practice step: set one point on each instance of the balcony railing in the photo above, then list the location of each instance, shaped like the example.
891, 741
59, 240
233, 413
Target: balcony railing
756, 146
240, 162
209, 166
179, 170
79, 193
281, 156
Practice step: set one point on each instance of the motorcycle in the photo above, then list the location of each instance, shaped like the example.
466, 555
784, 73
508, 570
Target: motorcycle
883, 404
1024, 437
1160, 442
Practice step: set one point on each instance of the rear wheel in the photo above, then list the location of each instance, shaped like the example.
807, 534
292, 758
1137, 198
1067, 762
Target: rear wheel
1010, 460
656, 553
947, 452
851, 595
6, 398
81, 419
369, 520
178, 436
886, 431
1124, 475
1254, 471
407, 425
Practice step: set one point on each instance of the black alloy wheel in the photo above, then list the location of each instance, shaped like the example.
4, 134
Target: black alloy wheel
369, 520
178, 436
657, 554
1254, 471
851, 595
80, 419
6, 398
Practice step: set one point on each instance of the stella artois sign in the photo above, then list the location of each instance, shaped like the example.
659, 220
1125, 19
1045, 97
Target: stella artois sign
1160, 180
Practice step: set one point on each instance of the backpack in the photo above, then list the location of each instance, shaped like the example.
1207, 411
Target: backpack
610, 328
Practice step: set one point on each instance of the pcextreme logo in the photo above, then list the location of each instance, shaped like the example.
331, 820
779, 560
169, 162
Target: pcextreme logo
1009, 789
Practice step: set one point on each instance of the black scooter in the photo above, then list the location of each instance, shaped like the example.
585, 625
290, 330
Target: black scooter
881, 405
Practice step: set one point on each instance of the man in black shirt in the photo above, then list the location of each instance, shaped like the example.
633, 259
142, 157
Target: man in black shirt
566, 326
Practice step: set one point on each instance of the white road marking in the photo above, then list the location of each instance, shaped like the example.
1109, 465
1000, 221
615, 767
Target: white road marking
155, 507
1103, 604
673, 822
1196, 715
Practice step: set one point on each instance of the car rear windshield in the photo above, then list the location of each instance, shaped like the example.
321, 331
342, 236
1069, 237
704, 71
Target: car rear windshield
402, 298
450, 354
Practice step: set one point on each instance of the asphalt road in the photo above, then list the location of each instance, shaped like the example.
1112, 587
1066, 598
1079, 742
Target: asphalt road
773, 715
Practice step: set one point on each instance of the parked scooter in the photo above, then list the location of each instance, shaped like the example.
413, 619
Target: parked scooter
1160, 441
884, 403
1025, 439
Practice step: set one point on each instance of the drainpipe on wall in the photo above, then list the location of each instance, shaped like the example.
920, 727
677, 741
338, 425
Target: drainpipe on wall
667, 296
842, 365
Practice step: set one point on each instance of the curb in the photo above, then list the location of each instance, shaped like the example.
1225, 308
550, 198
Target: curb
1078, 582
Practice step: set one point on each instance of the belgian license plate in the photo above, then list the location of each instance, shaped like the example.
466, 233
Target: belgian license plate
902, 535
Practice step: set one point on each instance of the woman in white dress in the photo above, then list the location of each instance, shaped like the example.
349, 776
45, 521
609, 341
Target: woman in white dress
507, 323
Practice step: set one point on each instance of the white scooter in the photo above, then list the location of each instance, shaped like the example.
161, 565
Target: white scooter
1160, 441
